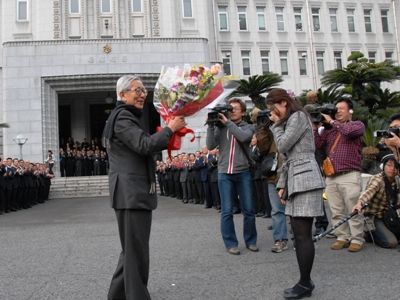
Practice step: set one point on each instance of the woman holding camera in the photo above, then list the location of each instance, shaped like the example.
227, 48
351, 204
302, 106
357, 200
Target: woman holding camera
300, 182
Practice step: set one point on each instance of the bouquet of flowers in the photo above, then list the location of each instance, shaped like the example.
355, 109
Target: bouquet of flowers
184, 92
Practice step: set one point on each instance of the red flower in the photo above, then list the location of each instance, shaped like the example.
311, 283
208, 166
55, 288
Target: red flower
194, 73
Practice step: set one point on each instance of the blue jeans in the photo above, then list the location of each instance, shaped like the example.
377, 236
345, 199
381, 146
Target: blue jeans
229, 185
279, 228
383, 236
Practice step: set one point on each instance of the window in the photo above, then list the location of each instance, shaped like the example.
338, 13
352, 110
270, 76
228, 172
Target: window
223, 17
136, 6
384, 18
302, 62
367, 20
333, 18
261, 18
297, 18
388, 55
22, 13
279, 18
320, 62
246, 62
284, 62
226, 64
265, 61
242, 17
187, 9
372, 56
338, 59
106, 6
74, 6
350, 20
315, 18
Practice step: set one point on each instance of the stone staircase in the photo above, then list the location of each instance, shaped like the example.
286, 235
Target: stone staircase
77, 187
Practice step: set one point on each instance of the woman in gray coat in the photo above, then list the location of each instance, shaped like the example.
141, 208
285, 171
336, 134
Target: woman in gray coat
300, 180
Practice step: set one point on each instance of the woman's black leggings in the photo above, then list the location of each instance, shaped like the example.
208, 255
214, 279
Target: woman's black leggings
305, 251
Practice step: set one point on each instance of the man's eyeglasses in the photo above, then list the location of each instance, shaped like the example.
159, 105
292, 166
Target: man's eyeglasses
139, 90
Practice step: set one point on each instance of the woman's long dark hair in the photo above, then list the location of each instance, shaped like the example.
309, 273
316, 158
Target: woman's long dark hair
277, 95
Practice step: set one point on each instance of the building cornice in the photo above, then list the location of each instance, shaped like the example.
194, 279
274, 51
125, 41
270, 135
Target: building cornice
106, 41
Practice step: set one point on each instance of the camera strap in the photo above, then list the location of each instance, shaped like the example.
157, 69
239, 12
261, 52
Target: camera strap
246, 153
335, 144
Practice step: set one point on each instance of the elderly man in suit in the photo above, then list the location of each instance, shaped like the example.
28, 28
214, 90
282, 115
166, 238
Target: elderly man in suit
132, 185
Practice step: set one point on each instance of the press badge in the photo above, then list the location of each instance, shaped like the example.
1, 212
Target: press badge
275, 164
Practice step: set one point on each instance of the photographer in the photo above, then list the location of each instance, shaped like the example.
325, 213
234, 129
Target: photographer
393, 143
261, 142
266, 145
342, 144
382, 189
234, 173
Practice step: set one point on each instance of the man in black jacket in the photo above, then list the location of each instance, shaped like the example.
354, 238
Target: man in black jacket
132, 185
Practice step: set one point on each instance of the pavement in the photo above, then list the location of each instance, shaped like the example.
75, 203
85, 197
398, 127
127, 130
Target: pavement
68, 249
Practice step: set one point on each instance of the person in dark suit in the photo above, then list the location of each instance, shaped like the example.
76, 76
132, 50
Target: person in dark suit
62, 162
183, 174
2, 188
213, 169
205, 176
132, 185
198, 184
8, 181
170, 178
177, 173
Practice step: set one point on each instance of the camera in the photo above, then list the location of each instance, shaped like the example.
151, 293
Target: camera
263, 118
387, 133
213, 116
327, 109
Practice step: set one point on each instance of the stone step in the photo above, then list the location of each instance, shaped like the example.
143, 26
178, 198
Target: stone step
77, 187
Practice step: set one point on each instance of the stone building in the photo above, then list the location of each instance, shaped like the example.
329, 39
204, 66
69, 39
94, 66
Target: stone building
60, 59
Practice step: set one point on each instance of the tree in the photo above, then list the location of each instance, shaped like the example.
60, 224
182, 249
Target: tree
360, 75
255, 86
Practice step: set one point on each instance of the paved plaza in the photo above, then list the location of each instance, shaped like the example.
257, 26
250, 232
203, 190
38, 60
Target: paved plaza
68, 249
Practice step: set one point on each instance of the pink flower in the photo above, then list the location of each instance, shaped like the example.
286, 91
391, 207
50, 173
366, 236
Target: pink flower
194, 80
200, 85
178, 72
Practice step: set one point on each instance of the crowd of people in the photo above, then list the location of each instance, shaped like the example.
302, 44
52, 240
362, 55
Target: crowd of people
23, 184
225, 175
225, 179
82, 159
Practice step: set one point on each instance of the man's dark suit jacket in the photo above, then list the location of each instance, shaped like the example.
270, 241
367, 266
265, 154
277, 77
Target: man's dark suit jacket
131, 158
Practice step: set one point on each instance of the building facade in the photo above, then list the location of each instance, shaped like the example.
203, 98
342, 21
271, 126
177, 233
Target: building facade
60, 59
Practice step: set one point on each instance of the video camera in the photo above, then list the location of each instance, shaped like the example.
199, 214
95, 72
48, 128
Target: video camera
263, 119
213, 116
387, 133
327, 109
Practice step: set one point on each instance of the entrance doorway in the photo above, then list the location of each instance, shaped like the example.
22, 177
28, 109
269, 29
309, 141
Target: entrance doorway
99, 114
64, 120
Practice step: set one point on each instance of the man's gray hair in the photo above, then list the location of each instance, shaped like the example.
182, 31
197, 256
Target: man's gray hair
124, 84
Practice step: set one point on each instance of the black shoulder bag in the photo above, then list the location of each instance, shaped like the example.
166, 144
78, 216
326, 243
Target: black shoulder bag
391, 217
